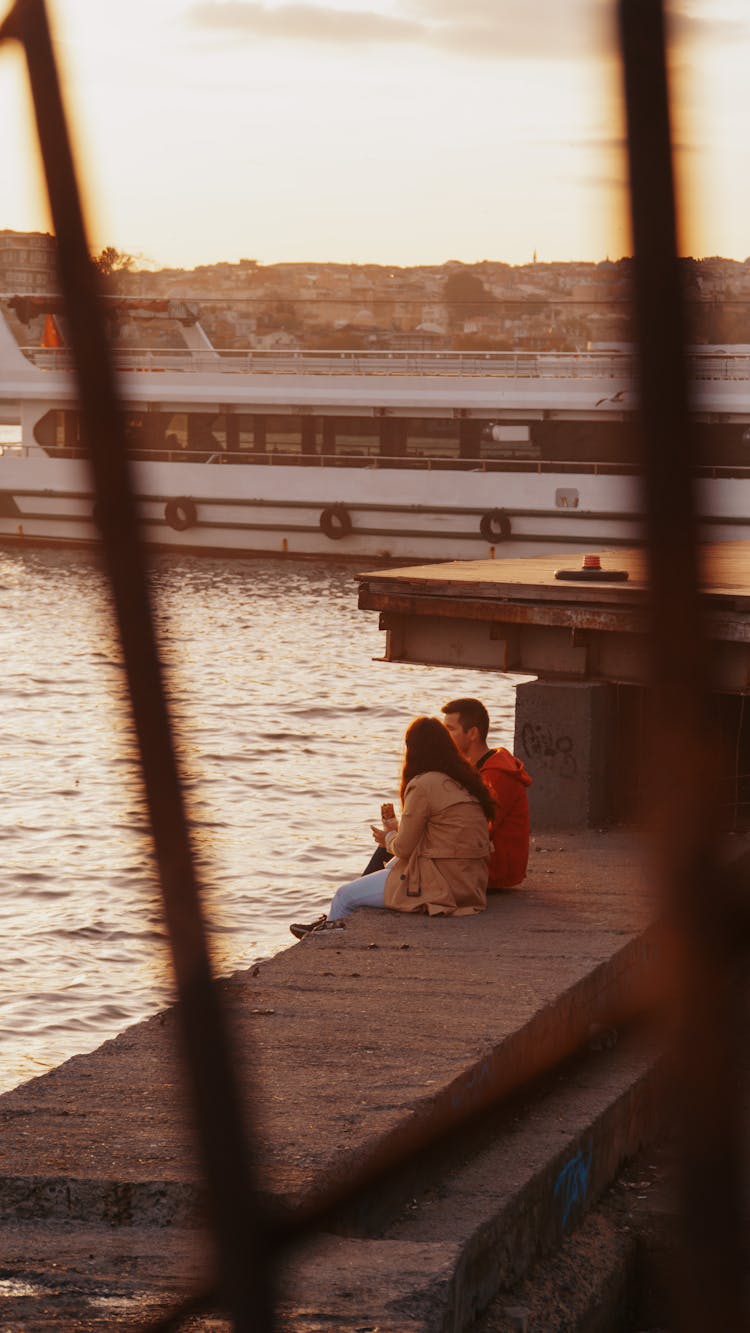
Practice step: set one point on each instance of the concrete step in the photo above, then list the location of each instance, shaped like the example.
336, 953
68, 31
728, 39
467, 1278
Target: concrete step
106, 1138
523, 1184
524, 1191
620, 1271
105, 1279
357, 1041
357, 1044
589, 1285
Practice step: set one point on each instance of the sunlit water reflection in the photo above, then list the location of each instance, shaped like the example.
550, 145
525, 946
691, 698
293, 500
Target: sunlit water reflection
290, 737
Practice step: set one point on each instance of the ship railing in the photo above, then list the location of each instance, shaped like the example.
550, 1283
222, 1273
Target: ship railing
503, 365
292, 458
259, 361
377, 462
419, 462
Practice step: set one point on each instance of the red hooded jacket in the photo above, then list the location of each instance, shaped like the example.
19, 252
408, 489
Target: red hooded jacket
507, 780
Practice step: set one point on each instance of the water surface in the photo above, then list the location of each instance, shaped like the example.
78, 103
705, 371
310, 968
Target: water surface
290, 737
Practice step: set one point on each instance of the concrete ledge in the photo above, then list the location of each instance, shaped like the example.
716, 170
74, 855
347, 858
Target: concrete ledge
522, 1196
105, 1280
357, 1041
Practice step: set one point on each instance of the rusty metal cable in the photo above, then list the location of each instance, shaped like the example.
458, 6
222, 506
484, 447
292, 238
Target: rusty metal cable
707, 1053
683, 746
219, 1116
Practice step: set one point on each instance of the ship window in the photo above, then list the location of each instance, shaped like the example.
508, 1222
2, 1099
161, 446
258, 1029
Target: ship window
250, 428
201, 433
149, 431
132, 423
427, 438
506, 441
45, 430
284, 434
175, 435
351, 437
201, 437
58, 429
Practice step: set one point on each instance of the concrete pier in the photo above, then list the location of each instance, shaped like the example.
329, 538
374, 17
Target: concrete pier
565, 733
579, 728
355, 1040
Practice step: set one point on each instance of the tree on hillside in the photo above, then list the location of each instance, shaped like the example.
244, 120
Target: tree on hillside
109, 261
465, 294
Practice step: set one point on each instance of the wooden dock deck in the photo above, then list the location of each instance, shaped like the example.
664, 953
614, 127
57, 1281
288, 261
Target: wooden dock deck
516, 615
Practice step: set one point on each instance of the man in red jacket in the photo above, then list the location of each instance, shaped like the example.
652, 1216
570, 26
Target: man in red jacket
468, 722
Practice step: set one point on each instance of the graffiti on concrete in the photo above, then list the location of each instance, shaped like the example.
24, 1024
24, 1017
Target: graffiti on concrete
573, 1182
546, 750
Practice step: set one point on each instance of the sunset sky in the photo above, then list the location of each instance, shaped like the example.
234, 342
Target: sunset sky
390, 131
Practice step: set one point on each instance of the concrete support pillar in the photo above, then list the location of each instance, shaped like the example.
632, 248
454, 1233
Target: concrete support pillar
566, 737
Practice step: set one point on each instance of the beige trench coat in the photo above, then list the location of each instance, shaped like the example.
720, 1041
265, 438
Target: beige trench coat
442, 850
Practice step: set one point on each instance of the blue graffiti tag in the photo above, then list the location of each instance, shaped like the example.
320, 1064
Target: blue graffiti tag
573, 1181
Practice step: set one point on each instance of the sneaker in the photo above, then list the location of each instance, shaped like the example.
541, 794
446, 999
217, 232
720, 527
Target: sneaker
299, 931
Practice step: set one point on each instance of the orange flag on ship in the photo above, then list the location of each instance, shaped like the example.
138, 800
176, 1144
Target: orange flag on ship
51, 336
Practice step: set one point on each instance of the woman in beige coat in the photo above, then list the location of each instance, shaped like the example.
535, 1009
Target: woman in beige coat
441, 847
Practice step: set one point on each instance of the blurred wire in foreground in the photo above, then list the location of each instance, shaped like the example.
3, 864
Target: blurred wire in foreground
710, 1294
219, 1116
683, 744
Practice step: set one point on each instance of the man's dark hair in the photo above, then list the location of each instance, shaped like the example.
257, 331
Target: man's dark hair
471, 713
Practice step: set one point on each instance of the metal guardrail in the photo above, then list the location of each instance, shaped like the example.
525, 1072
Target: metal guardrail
375, 462
268, 361
385, 462
706, 936
495, 365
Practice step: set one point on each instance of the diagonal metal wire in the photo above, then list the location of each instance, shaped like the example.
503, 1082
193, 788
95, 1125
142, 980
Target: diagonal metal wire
707, 1035
244, 1275
247, 1241
707, 1051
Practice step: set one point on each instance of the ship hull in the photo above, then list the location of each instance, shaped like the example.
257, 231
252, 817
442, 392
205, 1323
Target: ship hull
379, 513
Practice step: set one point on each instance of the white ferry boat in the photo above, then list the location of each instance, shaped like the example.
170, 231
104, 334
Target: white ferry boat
366, 455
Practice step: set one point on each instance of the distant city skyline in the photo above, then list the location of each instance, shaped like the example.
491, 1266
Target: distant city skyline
387, 131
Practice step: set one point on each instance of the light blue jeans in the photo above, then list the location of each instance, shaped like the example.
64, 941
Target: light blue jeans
367, 891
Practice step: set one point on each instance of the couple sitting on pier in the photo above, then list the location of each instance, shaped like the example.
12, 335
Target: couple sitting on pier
464, 826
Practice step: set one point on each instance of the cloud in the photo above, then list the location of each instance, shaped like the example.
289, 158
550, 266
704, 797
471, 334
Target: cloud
596, 180
688, 28
610, 143
515, 29
499, 29
613, 143
301, 22
476, 27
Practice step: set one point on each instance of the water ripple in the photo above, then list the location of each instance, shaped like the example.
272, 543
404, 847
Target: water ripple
289, 738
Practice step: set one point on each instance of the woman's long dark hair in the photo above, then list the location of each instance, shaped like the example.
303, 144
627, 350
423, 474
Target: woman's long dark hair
430, 749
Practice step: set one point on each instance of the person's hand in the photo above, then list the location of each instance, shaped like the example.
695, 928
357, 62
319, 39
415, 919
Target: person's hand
390, 824
378, 834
